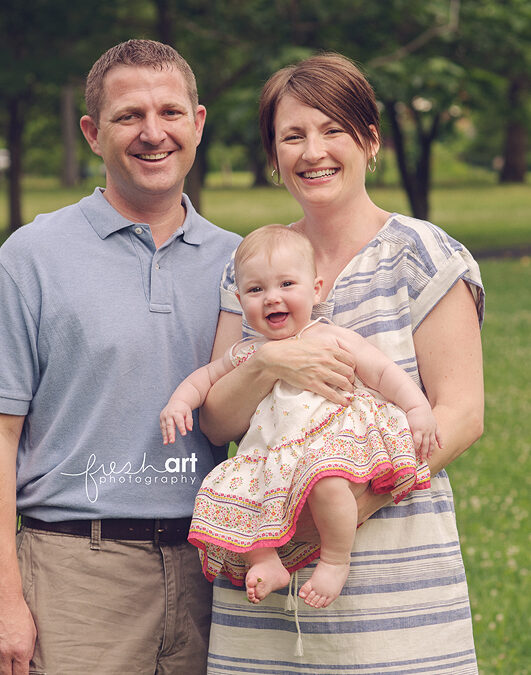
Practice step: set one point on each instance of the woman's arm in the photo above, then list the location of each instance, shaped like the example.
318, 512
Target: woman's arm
318, 365
448, 346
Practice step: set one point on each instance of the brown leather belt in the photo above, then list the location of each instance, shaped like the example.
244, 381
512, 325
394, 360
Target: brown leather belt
164, 530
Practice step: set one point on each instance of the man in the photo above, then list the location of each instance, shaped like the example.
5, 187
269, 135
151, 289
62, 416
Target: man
105, 306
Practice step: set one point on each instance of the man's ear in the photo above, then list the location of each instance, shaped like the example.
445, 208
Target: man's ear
200, 116
90, 132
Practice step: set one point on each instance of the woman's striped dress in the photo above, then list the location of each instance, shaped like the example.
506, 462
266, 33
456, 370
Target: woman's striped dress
405, 607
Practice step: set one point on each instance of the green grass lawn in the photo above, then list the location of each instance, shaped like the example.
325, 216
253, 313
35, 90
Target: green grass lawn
491, 480
483, 216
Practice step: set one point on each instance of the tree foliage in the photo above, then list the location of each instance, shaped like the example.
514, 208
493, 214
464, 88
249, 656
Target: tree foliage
432, 62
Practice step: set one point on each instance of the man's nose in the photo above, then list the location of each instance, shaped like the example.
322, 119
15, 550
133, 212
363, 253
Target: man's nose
152, 130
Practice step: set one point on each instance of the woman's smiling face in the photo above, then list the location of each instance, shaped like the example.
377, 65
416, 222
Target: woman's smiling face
319, 161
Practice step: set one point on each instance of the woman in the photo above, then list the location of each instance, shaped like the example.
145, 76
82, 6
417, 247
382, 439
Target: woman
416, 294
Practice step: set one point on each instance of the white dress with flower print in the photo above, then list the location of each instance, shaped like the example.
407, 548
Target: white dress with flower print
296, 438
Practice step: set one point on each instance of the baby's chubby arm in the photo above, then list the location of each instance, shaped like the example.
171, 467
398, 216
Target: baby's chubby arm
189, 395
382, 374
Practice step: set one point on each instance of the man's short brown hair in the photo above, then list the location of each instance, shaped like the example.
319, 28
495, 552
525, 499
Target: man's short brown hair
135, 53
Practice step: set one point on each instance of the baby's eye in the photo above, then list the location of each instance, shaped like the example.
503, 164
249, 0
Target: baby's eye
255, 289
286, 283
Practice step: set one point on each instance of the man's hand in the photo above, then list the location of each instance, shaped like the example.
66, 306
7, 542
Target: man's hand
17, 637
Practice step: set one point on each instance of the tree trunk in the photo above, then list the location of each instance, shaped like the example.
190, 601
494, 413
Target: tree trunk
165, 22
516, 135
69, 132
416, 184
196, 177
14, 143
257, 163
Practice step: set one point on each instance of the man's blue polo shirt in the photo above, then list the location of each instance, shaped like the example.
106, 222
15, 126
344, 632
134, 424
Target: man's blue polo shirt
97, 328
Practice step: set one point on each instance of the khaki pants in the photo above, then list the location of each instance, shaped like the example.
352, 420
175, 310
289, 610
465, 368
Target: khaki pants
105, 607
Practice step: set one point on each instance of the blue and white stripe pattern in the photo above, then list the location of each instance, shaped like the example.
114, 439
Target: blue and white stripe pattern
404, 608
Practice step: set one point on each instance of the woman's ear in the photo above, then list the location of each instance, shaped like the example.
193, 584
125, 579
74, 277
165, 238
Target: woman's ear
375, 143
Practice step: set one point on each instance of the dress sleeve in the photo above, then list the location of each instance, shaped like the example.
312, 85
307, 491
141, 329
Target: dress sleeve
435, 266
229, 301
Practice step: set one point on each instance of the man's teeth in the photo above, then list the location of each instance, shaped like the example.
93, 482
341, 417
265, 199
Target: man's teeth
158, 155
319, 174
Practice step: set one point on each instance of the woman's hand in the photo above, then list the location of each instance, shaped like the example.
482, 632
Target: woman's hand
318, 364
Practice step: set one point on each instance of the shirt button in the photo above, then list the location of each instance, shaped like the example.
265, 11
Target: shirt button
138, 230
157, 266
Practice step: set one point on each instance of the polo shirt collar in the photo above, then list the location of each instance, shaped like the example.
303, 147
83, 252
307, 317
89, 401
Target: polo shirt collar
106, 220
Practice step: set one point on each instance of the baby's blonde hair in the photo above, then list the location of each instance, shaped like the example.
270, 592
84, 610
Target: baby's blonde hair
270, 238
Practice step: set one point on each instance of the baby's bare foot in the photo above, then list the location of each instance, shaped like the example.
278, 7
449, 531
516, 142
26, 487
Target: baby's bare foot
265, 577
325, 584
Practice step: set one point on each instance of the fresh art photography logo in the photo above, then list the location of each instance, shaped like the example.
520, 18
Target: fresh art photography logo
176, 470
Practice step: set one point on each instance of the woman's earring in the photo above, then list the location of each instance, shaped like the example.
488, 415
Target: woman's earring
371, 165
277, 181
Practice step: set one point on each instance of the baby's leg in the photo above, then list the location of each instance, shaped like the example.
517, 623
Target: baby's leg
266, 573
335, 513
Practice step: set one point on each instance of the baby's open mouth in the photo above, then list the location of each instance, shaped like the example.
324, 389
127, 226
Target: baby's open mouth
276, 317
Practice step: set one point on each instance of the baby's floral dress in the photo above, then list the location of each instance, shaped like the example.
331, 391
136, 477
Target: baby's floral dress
295, 438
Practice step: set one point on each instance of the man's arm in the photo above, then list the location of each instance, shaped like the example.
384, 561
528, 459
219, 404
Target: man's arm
17, 629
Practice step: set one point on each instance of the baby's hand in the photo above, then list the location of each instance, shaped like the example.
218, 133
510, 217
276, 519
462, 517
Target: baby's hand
176, 414
426, 436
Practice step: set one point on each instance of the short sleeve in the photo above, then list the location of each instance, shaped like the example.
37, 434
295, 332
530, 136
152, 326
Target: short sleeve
18, 345
228, 300
433, 263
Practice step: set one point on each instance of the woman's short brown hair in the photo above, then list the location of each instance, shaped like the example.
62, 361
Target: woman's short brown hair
135, 53
333, 84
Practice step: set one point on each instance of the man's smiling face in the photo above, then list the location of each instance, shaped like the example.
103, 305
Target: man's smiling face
147, 134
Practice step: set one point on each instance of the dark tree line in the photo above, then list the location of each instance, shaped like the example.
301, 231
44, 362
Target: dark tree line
431, 62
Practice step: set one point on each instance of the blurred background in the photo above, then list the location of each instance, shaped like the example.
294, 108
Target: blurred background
453, 82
